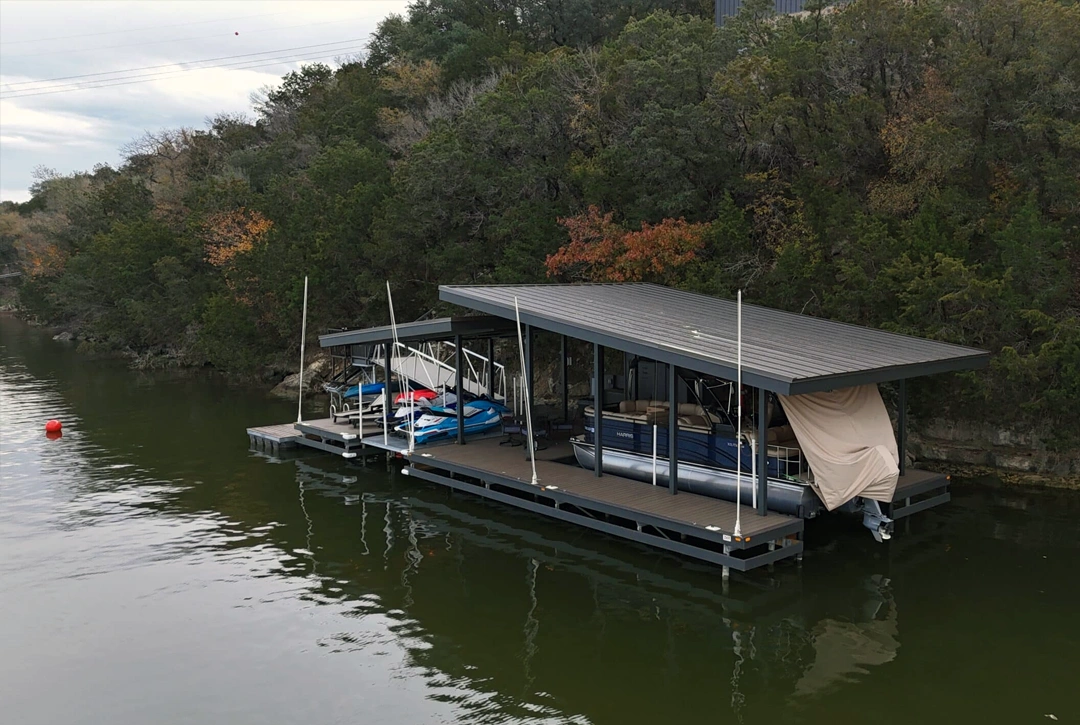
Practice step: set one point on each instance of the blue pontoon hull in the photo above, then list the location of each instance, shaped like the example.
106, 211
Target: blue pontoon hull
786, 497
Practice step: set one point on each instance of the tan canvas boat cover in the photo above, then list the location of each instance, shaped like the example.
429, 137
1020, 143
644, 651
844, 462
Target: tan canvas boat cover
848, 440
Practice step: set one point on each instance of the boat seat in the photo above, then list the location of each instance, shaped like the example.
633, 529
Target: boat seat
695, 421
780, 439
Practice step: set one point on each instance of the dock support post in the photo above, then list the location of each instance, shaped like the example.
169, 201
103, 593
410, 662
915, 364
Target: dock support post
598, 410
564, 382
762, 482
901, 425
491, 368
388, 359
459, 406
529, 366
673, 430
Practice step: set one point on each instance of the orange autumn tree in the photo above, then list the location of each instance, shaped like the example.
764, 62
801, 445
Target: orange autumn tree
602, 251
231, 233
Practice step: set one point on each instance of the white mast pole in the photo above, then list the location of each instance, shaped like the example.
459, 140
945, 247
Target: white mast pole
525, 394
303, 337
738, 433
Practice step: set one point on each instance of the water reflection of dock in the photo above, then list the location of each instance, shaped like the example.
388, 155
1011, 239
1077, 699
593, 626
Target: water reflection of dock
586, 625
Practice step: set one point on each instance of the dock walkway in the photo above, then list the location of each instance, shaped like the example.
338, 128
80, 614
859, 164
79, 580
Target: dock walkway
689, 524
685, 523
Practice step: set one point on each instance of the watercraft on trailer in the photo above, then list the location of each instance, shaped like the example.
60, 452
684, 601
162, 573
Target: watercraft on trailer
438, 422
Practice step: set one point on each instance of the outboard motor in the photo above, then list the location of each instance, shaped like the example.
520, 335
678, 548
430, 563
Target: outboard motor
880, 525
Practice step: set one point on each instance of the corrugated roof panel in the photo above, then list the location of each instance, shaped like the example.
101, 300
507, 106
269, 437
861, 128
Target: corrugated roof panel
782, 351
439, 328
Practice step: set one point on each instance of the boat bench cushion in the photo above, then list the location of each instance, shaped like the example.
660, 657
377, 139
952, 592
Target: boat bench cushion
695, 421
640, 406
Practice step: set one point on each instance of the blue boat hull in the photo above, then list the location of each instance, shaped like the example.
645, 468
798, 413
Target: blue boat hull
365, 389
718, 450
487, 416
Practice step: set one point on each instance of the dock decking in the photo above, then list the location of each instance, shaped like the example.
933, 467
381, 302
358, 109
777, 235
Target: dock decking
697, 526
273, 438
918, 490
686, 523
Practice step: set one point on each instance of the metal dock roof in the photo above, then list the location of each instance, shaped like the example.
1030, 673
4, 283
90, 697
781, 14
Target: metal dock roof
439, 328
782, 351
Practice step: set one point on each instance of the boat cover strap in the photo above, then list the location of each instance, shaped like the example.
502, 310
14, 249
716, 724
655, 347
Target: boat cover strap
848, 440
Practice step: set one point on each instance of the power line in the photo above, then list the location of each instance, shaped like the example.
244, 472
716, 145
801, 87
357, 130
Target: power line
174, 64
135, 30
164, 42
242, 65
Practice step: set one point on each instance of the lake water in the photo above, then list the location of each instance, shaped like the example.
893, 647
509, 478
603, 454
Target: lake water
154, 570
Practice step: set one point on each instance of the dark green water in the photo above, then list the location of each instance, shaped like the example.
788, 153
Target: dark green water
153, 570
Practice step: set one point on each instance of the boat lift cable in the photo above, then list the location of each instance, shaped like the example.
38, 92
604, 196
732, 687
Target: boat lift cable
525, 395
408, 392
738, 434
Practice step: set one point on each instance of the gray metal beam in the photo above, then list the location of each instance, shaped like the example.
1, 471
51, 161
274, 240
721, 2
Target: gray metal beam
491, 368
564, 381
387, 395
444, 327
762, 482
460, 404
901, 426
673, 430
529, 345
598, 410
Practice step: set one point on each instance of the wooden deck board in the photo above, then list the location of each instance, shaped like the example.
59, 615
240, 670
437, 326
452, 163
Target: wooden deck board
916, 480
656, 501
276, 433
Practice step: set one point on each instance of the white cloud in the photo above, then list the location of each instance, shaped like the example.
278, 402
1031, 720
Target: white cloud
73, 131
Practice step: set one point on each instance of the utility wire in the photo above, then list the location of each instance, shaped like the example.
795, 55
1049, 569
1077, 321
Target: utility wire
135, 30
166, 41
173, 65
242, 65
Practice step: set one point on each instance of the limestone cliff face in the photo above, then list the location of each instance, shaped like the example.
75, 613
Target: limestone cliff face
977, 444
314, 376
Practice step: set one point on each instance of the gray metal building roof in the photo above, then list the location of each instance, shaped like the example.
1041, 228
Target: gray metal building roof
441, 328
782, 351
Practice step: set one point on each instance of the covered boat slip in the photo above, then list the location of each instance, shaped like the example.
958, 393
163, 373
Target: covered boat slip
782, 353
678, 333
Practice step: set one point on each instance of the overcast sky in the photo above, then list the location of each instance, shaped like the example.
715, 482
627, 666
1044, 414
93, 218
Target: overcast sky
117, 42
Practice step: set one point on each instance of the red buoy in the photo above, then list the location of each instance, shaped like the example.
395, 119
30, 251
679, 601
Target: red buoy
53, 426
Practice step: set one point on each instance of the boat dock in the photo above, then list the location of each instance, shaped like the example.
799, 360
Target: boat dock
785, 356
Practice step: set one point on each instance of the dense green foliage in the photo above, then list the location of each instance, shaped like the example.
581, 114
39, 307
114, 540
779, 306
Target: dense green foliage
912, 166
